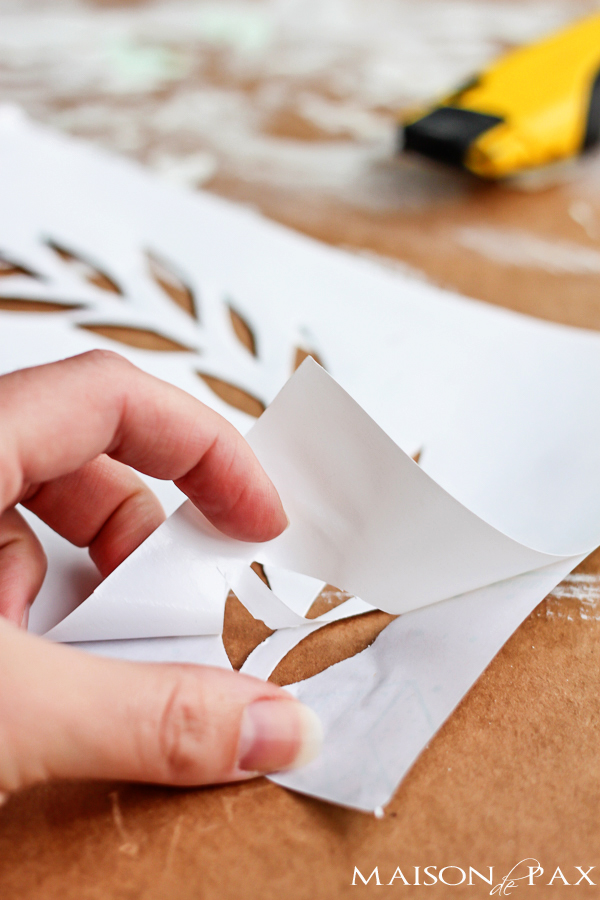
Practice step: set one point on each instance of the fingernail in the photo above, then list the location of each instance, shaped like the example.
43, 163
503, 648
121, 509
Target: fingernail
25, 619
277, 735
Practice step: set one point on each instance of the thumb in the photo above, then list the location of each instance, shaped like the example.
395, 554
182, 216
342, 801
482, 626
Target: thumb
73, 715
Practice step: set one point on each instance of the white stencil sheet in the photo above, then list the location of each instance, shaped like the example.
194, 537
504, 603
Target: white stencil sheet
505, 500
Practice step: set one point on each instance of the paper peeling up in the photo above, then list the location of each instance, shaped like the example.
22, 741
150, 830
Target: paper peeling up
222, 303
371, 522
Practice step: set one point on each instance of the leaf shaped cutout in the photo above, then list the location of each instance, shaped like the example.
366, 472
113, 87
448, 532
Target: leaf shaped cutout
259, 570
172, 283
9, 267
143, 338
20, 304
329, 645
234, 396
242, 330
329, 598
242, 633
301, 355
417, 456
85, 269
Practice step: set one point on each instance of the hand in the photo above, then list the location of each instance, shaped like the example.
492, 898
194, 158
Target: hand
69, 433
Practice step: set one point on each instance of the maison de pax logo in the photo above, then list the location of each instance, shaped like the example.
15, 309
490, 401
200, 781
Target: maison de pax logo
526, 873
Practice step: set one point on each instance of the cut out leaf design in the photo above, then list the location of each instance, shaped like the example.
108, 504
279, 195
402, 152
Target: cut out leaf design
87, 270
417, 456
242, 633
242, 330
301, 355
330, 645
234, 396
9, 267
258, 568
143, 338
172, 284
20, 304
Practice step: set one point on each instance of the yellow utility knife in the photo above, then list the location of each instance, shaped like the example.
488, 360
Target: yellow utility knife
536, 105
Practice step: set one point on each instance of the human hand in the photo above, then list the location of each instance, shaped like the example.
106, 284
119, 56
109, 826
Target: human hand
69, 433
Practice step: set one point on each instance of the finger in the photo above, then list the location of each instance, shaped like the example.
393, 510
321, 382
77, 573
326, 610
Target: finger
104, 505
22, 567
55, 418
72, 715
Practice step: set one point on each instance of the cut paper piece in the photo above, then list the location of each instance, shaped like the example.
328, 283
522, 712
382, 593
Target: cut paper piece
265, 658
380, 708
264, 604
176, 584
300, 591
207, 650
374, 523
162, 590
71, 576
259, 599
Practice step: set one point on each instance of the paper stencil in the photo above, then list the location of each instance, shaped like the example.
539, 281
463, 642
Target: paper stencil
371, 522
505, 499
386, 702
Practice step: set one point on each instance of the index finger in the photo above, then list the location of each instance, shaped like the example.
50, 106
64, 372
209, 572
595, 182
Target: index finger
57, 417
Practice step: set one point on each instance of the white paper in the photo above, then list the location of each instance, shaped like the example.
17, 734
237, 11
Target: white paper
207, 650
498, 404
381, 707
264, 658
163, 589
372, 523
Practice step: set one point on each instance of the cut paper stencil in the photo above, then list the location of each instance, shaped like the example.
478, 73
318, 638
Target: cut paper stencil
372, 522
503, 503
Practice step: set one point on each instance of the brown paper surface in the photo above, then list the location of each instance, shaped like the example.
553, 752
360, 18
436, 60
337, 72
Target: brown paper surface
515, 771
